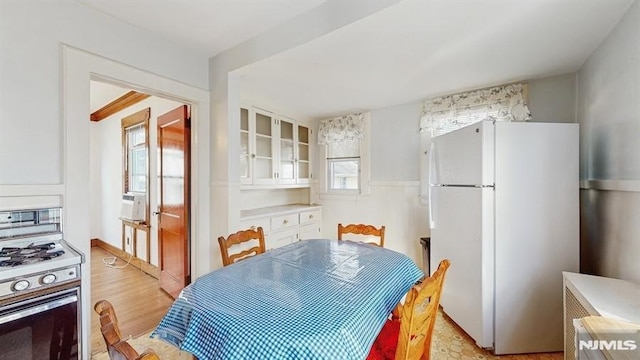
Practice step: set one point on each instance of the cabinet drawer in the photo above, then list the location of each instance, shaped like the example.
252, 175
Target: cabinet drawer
283, 221
255, 223
307, 217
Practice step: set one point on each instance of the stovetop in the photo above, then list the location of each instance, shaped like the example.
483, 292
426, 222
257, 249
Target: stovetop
36, 254
32, 253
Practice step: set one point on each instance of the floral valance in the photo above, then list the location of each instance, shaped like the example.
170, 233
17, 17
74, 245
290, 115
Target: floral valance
349, 127
444, 114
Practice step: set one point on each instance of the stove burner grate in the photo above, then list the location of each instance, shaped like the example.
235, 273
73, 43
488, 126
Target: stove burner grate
16, 256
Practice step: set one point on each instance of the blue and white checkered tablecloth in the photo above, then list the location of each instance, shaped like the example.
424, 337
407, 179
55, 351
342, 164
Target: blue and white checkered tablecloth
313, 299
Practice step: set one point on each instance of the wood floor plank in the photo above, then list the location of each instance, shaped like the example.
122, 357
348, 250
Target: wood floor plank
136, 296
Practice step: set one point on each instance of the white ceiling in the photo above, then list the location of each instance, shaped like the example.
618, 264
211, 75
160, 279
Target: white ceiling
207, 26
406, 52
103, 93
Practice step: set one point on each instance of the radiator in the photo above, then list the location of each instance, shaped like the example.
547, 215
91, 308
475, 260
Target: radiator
573, 309
586, 295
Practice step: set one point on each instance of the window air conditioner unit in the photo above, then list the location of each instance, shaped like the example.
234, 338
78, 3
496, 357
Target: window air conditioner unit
133, 207
587, 295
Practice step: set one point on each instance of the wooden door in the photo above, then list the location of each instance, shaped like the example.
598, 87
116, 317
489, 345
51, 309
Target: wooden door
173, 199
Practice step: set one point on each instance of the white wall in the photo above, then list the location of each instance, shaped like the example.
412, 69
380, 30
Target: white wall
393, 204
260, 198
30, 61
107, 174
609, 117
553, 99
395, 143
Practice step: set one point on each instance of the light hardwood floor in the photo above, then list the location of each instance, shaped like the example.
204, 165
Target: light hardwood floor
135, 295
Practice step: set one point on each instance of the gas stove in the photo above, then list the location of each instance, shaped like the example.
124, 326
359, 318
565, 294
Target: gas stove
33, 252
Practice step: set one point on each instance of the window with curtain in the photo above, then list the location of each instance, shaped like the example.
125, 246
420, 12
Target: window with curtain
447, 113
342, 138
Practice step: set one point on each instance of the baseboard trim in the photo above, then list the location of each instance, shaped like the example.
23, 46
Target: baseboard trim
124, 256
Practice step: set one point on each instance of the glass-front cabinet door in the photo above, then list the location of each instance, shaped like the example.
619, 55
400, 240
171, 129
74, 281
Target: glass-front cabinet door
264, 169
274, 150
286, 170
303, 166
246, 148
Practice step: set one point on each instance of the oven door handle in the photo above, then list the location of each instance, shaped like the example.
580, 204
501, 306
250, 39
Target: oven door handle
38, 309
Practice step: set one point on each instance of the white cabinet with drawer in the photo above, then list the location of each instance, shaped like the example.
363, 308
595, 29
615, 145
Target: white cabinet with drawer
283, 225
310, 224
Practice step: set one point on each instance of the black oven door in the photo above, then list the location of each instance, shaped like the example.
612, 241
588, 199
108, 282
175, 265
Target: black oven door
43, 327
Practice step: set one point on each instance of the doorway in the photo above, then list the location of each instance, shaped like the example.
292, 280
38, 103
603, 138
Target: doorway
125, 159
78, 68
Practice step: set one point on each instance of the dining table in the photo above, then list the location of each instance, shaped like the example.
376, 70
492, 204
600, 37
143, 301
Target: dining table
312, 299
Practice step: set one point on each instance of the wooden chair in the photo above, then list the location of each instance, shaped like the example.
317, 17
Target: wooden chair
362, 229
117, 348
239, 238
407, 336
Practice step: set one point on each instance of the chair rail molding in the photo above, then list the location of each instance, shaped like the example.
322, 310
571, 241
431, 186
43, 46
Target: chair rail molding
611, 185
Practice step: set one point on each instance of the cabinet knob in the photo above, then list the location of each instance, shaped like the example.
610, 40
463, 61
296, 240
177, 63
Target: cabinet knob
285, 221
311, 216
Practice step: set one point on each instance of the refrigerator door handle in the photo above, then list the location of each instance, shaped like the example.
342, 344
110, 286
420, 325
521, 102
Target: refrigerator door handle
479, 186
432, 170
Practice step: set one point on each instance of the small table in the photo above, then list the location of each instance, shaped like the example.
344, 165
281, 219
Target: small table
313, 299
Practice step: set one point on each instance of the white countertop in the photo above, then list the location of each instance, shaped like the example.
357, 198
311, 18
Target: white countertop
276, 210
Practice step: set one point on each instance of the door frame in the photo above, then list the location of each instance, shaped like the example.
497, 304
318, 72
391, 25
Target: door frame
78, 68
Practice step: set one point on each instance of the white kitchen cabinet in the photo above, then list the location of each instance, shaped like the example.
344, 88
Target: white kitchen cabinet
303, 155
310, 224
310, 231
287, 140
246, 148
285, 224
264, 152
275, 150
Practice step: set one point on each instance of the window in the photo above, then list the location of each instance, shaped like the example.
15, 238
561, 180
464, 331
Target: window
136, 159
343, 165
135, 143
345, 150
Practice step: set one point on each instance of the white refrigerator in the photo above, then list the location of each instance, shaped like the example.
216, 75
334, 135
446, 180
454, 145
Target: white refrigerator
503, 207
